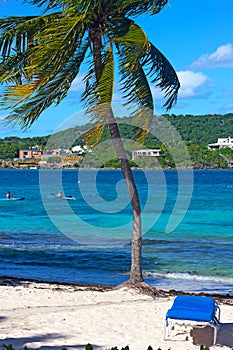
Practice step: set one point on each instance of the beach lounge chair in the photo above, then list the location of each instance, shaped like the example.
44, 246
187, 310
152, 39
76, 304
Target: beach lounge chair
193, 311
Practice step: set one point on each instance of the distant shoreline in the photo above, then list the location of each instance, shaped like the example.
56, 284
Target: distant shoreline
118, 169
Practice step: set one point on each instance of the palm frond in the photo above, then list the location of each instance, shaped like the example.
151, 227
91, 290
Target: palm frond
50, 44
137, 57
130, 34
93, 137
163, 74
15, 95
131, 47
27, 108
11, 69
135, 85
57, 42
43, 74
137, 7
98, 93
17, 33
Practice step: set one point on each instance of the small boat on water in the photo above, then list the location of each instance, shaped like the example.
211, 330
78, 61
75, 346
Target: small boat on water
68, 198
12, 199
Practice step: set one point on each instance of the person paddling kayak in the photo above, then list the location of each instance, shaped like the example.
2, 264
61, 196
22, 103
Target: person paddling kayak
59, 195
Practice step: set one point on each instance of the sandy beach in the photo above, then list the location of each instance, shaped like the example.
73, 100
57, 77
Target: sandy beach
52, 316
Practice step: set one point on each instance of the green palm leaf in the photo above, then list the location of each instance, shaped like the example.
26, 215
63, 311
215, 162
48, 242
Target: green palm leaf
44, 95
17, 33
136, 7
131, 47
93, 137
98, 93
164, 75
58, 44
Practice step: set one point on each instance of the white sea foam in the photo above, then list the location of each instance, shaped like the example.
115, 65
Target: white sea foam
191, 277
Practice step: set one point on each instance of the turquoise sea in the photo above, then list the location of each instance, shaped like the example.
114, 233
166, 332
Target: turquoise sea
187, 227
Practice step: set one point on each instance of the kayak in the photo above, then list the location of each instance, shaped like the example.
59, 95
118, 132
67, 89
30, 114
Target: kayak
13, 199
71, 198
68, 198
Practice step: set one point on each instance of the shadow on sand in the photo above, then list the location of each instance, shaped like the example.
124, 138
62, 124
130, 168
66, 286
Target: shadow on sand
204, 336
20, 343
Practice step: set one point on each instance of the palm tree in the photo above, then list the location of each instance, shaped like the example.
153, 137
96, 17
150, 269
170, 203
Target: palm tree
42, 55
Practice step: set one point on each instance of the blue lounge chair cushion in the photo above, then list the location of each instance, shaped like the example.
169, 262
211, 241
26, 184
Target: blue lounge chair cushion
190, 314
194, 302
192, 308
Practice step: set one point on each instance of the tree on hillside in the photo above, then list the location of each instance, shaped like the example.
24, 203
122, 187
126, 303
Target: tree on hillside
42, 55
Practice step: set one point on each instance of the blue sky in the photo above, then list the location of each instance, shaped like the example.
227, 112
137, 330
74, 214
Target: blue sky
197, 38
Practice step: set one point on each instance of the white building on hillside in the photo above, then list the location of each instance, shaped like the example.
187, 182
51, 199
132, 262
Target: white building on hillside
142, 153
222, 143
80, 149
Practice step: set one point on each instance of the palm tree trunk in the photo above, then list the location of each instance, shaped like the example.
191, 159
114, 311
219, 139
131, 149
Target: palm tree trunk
136, 270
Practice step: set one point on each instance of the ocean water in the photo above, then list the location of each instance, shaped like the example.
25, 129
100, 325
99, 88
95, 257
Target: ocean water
187, 222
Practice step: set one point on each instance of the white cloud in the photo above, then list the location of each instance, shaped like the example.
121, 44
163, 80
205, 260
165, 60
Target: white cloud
222, 57
190, 83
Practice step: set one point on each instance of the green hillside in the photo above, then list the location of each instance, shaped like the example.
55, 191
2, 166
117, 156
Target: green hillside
202, 129
168, 132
